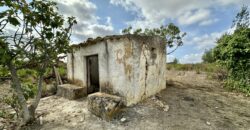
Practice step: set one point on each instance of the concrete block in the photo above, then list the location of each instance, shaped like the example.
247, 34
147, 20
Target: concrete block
70, 91
105, 105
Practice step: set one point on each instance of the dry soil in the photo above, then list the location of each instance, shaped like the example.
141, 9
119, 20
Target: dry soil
194, 102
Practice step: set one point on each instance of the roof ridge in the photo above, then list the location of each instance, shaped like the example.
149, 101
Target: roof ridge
91, 41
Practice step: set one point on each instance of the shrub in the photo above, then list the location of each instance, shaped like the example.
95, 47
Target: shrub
62, 71
24, 73
29, 90
208, 56
233, 52
4, 72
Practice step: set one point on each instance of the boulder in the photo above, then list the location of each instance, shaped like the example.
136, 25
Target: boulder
70, 91
104, 105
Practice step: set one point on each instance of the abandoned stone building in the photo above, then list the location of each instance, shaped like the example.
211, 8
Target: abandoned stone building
130, 66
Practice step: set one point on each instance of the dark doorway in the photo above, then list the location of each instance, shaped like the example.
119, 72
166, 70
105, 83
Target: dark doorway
92, 74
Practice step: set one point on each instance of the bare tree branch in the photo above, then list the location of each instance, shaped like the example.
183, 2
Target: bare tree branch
173, 50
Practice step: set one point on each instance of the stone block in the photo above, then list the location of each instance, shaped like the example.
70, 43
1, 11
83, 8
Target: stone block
70, 91
105, 105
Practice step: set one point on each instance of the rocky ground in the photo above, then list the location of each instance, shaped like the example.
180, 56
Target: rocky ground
190, 101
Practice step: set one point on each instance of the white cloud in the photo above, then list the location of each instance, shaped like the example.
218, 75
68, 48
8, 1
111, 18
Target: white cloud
144, 24
170, 58
208, 22
185, 12
87, 21
192, 17
127, 4
202, 43
205, 41
191, 58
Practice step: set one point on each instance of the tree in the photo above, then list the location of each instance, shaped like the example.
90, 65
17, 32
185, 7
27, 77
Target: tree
32, 34
175, 61
208, 56
171, 33
242, 18
233, 52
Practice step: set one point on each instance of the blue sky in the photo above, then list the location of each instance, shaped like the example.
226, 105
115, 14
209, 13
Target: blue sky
203, 20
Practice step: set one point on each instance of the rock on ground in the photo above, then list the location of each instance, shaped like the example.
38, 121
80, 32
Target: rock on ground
104, 105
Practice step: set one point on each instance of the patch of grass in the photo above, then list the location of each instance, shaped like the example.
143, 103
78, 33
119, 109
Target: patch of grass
200, 67
213, 70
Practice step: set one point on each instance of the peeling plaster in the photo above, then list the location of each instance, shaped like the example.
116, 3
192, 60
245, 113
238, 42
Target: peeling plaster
132, 67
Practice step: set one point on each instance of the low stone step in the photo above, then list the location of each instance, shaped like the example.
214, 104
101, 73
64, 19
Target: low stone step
70, 91
104, 105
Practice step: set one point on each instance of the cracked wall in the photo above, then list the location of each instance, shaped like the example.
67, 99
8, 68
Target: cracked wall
132, 67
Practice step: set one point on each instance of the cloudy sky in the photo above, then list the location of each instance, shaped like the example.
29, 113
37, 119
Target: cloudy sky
202, 20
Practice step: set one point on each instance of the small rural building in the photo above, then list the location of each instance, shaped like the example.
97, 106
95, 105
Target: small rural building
130, 66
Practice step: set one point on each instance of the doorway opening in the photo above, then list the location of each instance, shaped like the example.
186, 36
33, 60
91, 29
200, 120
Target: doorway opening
92, 74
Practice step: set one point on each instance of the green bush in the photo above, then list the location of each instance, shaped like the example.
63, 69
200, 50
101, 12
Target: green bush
25, 73
62, 71
29, 90
233, 52
4, 72
208, 56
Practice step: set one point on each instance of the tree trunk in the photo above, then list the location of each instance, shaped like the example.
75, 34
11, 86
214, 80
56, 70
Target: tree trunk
33, 106
21, 99
35, 103
27, 113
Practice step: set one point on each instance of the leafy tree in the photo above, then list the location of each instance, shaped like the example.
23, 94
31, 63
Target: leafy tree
32, 35
242, 18
233, 52
175, 61
171, 33
208, 56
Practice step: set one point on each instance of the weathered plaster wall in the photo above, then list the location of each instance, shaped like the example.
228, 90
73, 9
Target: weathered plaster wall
78, 72
151, 67
121, 63
132, 67
137, 67
70, 64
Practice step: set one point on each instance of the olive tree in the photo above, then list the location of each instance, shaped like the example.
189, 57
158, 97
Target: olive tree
32, 35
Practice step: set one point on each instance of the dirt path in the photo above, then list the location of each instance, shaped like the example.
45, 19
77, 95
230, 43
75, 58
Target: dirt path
194, 103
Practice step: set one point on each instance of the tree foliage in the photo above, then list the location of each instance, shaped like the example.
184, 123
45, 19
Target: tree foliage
242, 18
233, 52
208, 56
171, 33
32, 35
175, 61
